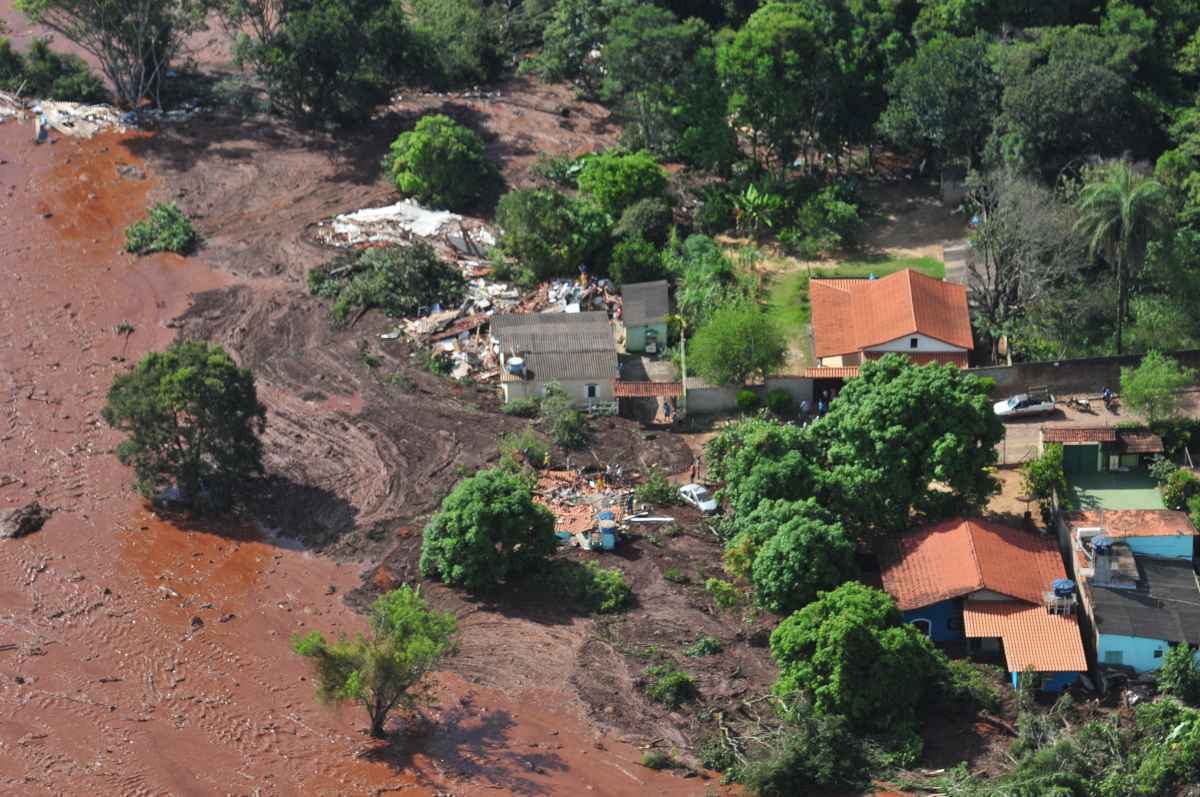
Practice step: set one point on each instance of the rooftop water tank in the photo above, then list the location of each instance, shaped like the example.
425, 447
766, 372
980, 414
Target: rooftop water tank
515, 365
1063, 587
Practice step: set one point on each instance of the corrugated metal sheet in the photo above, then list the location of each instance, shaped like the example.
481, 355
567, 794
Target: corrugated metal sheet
644, 302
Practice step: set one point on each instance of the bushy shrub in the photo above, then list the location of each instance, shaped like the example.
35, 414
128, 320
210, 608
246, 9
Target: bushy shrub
592, 587
617, 180
703, 646
1180, 675
747, 400
45, 74
669, 686
165, 229
400, 280
522, 408
568, 426
657, 759
647, 219
657, 489
966, 685
797, 243
725, 594
561, 170
442, 164
829, 218
779, 401
524, 447
1161, 469
716, 213
812, 750
1181, 485
805, 556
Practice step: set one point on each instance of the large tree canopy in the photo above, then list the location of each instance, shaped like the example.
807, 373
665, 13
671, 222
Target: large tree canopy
737, 343
192, 420
487, 531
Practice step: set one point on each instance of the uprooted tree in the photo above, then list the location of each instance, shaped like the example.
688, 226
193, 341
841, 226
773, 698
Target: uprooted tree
135, 41
382, 671
193, 421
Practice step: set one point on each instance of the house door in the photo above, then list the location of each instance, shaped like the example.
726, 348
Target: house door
1080, 459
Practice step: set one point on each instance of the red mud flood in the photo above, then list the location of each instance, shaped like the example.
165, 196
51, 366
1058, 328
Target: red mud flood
141, 657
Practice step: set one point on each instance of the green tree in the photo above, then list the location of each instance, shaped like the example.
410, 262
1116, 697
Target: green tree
442, 163
757, 460
850, 653
192, 420
944, 98
705, 278
134, 41
780, 76
487, 531
576, 29
381, 671
896, 429
1041, 478
165, 229
550, 234
1152, 389
1121, 212
321, 60
568, 426
737, 342
44, 73
1180, 675
398, 279
457, 38
679, 112
804, 556
635, 260
648, 219
617, 180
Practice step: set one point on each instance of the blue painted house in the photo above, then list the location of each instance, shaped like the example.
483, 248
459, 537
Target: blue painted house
1138, 582
995, 587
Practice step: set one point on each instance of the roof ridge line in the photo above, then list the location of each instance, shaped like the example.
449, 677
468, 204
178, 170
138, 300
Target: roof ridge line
970, 524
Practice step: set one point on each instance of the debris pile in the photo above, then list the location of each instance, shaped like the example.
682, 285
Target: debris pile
403, 222
584, 506
84, 121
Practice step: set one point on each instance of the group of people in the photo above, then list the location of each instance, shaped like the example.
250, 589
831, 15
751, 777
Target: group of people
822, 406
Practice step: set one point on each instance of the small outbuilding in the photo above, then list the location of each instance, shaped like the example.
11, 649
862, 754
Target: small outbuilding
644, 310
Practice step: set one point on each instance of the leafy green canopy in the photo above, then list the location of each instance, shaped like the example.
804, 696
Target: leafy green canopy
851, 654
192, 420
165, 229
442, 164
397, 279
1153, 388
896, 429
804, 557
43, 73
407, 640
737, 343
487, 531
322, 60
616, 180
549, 234
459, 41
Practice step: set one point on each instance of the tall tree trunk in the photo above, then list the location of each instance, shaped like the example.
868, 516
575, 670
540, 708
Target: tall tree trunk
1122, 301
378, 718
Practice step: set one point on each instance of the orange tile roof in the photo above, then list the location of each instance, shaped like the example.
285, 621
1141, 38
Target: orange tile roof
646, 389
830, 373
853, 315
1033, 637
1079, 434
958, 358
958, 557
1136, 522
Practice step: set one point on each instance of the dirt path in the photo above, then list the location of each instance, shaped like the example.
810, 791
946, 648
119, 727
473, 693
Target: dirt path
152, 658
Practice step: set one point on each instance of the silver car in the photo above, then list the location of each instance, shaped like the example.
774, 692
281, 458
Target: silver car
1024, 404
698, 496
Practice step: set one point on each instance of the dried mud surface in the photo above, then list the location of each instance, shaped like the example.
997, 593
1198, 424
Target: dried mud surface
141, 655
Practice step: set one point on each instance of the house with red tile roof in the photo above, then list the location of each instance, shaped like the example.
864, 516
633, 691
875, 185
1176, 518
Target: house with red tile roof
993, 586
855, 320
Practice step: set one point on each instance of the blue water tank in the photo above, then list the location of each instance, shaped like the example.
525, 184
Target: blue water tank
1063, 587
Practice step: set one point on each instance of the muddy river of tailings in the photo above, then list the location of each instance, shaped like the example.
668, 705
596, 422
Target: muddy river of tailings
140, 657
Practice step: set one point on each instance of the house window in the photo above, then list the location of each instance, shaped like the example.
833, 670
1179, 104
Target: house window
1158, 653
591, 391
1114, 657
924, 626
912, 343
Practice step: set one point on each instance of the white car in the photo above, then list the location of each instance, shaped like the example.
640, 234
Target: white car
1024, 404
698, 496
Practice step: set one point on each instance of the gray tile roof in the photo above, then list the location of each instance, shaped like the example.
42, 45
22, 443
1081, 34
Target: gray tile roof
1166, 604
559, 345
644, 303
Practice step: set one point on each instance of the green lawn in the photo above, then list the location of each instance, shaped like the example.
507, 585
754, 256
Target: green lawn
787, 291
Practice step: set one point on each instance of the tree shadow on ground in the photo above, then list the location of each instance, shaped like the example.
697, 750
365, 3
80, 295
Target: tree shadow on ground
469, 743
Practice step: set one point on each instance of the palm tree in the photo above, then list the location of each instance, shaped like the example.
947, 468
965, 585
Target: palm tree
1120, 213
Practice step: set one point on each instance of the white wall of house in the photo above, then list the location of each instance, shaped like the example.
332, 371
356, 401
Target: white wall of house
583, 391
923, 343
